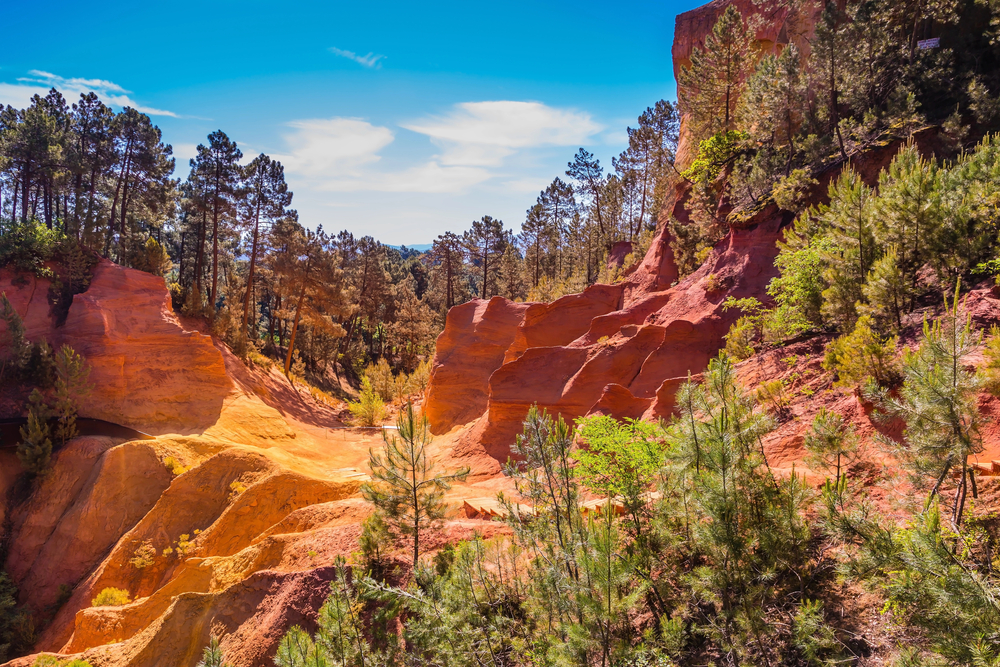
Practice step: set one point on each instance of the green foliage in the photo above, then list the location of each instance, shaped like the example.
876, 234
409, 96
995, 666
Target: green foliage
798, 291
374, 540
939, 402
991, 358
151, 257
790, 192
773, 395
111, 597
143, 556
26, 246
52, 661
717, 73
740, 338
714, 154
368, 410
35, 449
622, 461
71, 385
862, 355
813, 637
832, 444
16, 348
212, 655
404, 486
735, 510
381, 377
885, 292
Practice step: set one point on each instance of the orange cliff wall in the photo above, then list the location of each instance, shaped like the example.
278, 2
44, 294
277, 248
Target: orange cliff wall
147, 370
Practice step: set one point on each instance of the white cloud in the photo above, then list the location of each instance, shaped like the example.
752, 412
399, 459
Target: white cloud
370, 60
477, 141
484, 133
333, 148
19, 95
38, 83
182, 154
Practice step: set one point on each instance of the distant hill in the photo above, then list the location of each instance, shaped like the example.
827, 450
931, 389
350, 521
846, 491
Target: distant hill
421, 247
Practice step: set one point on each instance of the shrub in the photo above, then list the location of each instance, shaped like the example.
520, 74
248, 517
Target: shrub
714, 283
111, 597
774, 396
143, 555
789, 192
258, 359
420, 377
184, 544
832, 444
53, 661
991, 361
151, 257
174, 466
863, 354
212, 655
714, 154
369, 410
235, 489
382, 380
27, 246
740, 339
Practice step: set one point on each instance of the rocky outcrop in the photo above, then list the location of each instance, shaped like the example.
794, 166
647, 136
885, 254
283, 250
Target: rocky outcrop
147, 370
475, 338
480, 336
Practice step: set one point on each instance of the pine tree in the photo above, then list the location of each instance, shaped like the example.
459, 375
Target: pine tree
70, 386
831, 443
775, 98
218, 167
533, 239
830, 58
267, 200
740, 519
710, 87
485, 243
446, 257
909, 211
17, 349
848, 223
35, 450
939, 402
586, 170
885, 292
405, 488
213, 655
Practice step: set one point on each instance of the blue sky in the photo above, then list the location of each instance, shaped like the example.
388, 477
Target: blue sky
401, 120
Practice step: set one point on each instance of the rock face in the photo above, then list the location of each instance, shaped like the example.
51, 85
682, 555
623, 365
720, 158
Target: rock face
147, 371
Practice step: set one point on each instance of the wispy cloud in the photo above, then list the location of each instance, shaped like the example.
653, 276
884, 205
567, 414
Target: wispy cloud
38, 83
484, 133
372, 60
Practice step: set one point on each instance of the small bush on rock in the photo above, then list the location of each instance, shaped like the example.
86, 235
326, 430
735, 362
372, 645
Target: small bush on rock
369, 410
111, 597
